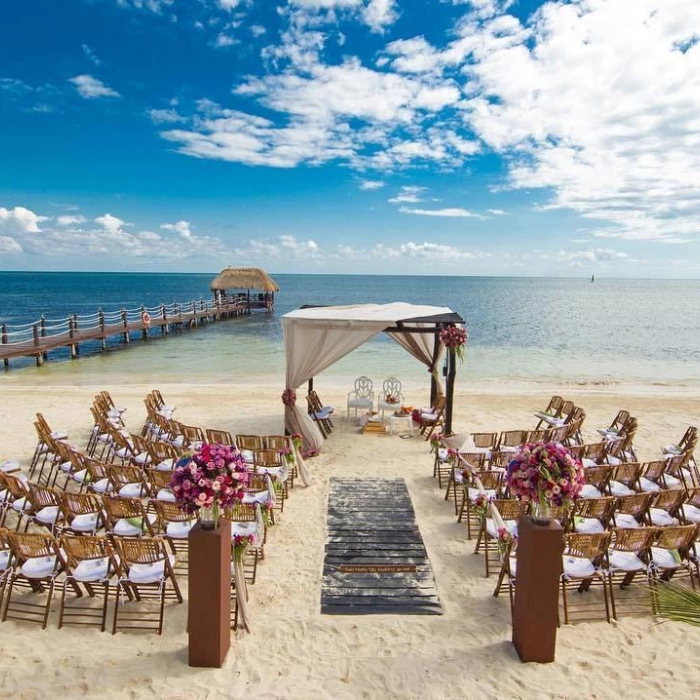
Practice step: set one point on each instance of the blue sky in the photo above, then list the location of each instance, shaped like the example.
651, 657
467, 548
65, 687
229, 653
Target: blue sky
371, 136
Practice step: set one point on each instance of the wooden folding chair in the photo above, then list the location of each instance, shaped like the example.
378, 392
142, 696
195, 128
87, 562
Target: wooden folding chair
492, 482
127, 481
90, 564
245, 522
632, 511
6, 562
38, 563
220, 437
126, 517
629, 558
510, 511
82, 513
585, 564
666, 506
593, 515
450, 470
146, 574
673, 555
45, 510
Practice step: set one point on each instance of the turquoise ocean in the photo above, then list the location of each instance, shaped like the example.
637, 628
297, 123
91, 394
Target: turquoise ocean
533, 330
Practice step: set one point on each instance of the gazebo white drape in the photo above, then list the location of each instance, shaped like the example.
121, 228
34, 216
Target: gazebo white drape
315, 338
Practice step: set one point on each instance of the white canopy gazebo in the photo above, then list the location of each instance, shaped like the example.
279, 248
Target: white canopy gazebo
315, 337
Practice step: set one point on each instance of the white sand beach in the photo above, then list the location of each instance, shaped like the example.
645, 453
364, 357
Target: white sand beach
295, 652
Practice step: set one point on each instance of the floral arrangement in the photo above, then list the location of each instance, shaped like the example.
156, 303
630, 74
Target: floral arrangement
297, 441
213, 478
266, 509
392, 398
435, 441
241, 543
416, 416
481, 503
289, 397
454, 338
308, 454
505, 539
287, 453
545, 473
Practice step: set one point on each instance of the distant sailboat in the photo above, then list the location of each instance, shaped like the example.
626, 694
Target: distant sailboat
592, 278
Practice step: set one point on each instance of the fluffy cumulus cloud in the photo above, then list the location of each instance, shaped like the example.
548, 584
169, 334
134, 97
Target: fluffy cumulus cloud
453, 212
24, 231
409, 194
371, 184
593, 102
92, 88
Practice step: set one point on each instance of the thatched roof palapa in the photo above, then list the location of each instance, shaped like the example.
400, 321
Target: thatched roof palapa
243, 278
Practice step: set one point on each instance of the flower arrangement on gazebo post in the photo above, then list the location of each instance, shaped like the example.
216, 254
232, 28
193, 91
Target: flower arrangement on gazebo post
545, 474
454, 338
208, 481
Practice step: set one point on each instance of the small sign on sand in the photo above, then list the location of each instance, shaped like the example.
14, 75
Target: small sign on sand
378, 569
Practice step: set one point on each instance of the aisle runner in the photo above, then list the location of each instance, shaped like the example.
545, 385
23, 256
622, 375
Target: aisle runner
375, 558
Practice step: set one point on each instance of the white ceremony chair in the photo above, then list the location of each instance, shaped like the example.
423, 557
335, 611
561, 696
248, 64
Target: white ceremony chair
391, 389
362, 397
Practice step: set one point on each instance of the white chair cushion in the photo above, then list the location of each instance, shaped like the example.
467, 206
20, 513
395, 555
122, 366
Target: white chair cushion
626, 521
80, 476
179, 530
473, 493
625, 561
672, 450
48, 515
360, 403
248, 456
665, 558
661, 518
243, 528
508, 448
59, 434
166, 465
590, 491
614, 461
130, 529
672, 482
692, 513
578, 567
429, 416
131, 491
588, 463
588, 526
66, 466
21, 504
511, 526
4, 559
166, 495
256, 497
179, 441
149, 573
617, 488
39, 567
85, 522
102, 486
648, 486
143, 458
91, 570
9, 466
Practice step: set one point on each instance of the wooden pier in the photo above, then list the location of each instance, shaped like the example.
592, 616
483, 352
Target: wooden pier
37, 339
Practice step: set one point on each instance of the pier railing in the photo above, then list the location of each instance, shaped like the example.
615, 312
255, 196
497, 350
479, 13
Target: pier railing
37, 338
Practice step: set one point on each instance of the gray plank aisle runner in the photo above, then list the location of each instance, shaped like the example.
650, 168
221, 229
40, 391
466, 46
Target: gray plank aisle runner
375, 561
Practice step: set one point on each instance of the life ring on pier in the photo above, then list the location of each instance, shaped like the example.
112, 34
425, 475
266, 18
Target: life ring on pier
146, 318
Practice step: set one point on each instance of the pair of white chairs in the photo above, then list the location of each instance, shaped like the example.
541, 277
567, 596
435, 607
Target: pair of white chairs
362, 396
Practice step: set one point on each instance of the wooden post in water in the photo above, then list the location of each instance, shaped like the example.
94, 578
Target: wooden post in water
125, 323
166, 329
72, 323
102, 328
6, 361
37, 343
43, 333
145, 328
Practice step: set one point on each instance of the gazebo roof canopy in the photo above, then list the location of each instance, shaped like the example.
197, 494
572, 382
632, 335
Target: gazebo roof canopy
395, 313
243, 278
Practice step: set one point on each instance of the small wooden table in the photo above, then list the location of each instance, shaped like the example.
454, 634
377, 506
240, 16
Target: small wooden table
395, 422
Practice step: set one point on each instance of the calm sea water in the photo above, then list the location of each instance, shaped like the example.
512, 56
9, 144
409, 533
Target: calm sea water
535, 330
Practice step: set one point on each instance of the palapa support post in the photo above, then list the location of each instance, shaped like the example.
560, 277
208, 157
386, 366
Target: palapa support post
72, 327
37, 343
102, 328
209, 597
144, 332
6, 361
536, 606
450, 389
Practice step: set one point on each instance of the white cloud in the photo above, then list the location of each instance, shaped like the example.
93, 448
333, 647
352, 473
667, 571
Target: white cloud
619, 147
224, 41
92, 88
70, 219
9, 245
20, 220
156, 6
409, 194
497, 212
91, 55
257, 30
371, 184
110, 223
229, 4
379, 14
447, 212
165, 116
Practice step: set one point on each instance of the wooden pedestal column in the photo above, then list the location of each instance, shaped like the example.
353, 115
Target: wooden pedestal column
209, 597
539, 567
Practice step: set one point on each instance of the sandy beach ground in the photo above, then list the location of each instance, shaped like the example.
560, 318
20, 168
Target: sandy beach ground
295, 652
